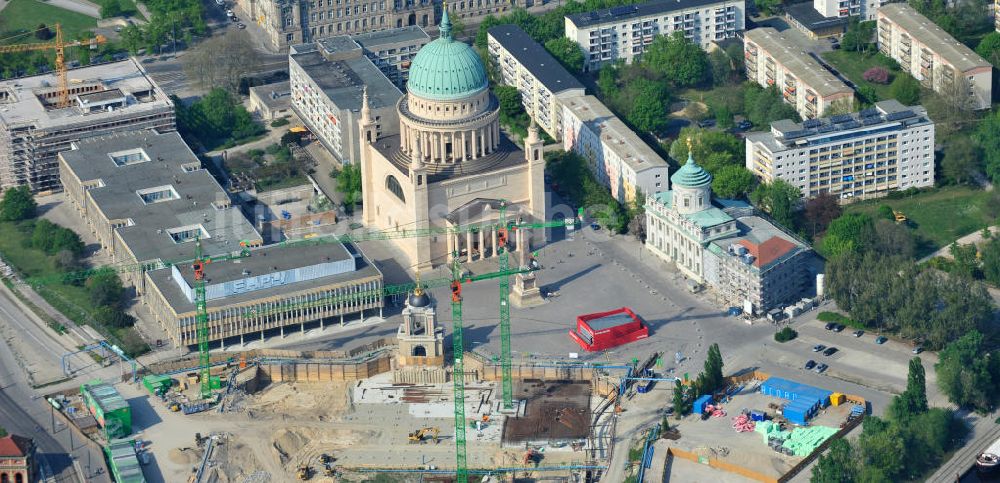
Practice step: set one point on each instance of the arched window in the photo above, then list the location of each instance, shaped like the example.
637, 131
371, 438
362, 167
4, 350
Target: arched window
392, 185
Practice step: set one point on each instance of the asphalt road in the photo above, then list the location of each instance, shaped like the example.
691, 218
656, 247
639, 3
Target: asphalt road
24, 412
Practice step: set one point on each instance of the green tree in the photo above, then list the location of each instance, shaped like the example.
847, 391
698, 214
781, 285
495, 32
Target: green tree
962, 162
567, 52
838, 465
17, 204
607, 81
859, 36
820, 211
712, 149
680, 61
905, 89
881, 446
132, 39
991, 261
913, 401
510, 101
987, 136
967, 375
989, 48
106, 289
965, 260
110, 8
712, 376
778, 199
768, 7
733, 182
349, 185
851, 232
42, 32
764, 106
885, 212
649, 111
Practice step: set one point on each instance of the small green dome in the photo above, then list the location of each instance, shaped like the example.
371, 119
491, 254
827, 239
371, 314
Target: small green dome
446, 70
691, 175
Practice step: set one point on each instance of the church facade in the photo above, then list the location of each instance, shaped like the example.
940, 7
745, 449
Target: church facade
449, 165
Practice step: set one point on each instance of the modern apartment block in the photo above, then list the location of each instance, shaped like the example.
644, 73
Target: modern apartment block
865, 9
933, 57
617, 157
292, 22
774, 60
624, 32
542, 81
852, 156
327, 84
148, 200
104, 99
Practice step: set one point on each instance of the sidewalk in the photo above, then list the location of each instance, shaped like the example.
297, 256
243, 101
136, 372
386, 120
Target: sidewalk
965, 240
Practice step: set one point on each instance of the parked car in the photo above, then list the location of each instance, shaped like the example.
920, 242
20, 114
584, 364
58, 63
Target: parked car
706, 123
820, 368
229, 13
838, 328
830, 326
859, 333
744, 125
917, 350
810, 364
241, 25
818, 347
880, 340
830, 351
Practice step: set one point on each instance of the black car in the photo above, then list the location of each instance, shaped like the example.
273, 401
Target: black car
859, 333
820, 368
838, 328
830, 351
744, 125
810, 364
706, 123
830, 325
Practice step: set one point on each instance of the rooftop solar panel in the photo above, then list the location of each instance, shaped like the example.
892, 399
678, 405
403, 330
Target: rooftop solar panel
868, 121
850, 124
870, 112
895, 116
839, 118
623, 10
811, 123
826, 128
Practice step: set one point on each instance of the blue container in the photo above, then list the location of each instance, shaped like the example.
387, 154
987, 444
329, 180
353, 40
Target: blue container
701, 402
757, 415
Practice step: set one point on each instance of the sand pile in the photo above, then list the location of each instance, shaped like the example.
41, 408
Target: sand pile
184, 456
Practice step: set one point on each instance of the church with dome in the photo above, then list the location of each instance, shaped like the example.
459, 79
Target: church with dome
725, 244
449, 165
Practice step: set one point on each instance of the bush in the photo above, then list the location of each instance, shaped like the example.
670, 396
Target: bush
279, 122
785, 335
878, 75
839, 319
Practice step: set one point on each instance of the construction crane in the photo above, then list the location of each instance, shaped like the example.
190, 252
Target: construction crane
458, 375
60, 47
507, 384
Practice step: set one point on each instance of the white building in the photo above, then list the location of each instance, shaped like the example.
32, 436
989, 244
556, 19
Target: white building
542, 81
327, 84
865, 9
852, 156
774, 60
624, 32
618, 158
933, 57
749, 261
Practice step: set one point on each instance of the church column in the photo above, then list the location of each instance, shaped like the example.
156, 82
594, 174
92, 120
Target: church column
402, 138
468, 246
482, 245
444, 147
475, 143
434, 146
493, 233
464, 133
496, 135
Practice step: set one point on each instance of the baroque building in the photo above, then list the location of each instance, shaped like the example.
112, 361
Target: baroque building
448, 165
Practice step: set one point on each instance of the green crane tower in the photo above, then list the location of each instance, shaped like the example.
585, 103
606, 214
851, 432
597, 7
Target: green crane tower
458, 376
201, 322
507, 383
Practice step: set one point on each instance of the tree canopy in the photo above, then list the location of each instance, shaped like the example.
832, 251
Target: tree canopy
680, 61
733, 182
778, 199
567, 52
216, 118
17, 204
764, 106
849, 233
968, 374
989, 48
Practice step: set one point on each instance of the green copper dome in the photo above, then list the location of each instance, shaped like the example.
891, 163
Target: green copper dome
446, 69
691, 175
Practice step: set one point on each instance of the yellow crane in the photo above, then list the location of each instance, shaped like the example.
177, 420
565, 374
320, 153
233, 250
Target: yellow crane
59, 46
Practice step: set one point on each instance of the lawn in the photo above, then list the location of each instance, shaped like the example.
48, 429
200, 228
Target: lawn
853, 65
940, 216
72, 300
25, 15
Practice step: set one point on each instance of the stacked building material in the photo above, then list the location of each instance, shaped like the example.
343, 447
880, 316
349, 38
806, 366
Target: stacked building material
743, 423
803, 441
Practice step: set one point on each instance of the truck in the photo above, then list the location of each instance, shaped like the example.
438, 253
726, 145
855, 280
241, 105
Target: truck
644, 386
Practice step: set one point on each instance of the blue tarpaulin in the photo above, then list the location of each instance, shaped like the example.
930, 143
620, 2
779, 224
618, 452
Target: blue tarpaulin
701, 402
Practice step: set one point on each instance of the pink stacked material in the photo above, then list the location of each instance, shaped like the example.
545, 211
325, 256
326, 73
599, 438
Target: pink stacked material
715, 410
743, 423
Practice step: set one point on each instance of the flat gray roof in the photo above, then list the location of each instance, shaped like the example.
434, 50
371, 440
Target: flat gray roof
169, 165
261, 261
810, 18
535, 58
410, 34
805, 68
786, 134
274, 95
343, 80
626, 12
932, 36
615, 134
19, 102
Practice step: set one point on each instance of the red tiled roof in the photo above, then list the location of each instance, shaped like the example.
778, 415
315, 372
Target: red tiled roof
14, 445
769, 251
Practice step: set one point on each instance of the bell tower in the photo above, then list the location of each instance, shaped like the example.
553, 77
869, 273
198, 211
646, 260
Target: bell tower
421, 341
369, 134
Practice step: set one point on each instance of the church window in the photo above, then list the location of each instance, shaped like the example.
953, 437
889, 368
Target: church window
699, 201
687, 202
393, 186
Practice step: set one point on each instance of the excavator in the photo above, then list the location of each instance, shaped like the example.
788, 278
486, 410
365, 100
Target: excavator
304, 472
419, 435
